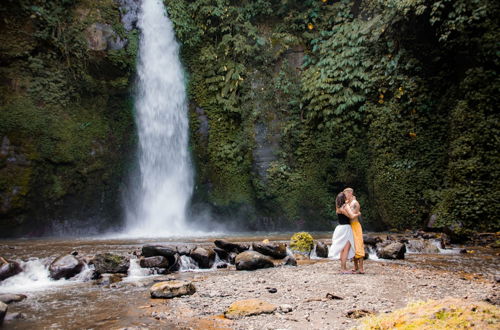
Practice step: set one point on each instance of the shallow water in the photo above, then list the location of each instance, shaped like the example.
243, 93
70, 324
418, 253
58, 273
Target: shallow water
81, 303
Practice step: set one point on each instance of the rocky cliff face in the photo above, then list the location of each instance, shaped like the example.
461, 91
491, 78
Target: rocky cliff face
66, 125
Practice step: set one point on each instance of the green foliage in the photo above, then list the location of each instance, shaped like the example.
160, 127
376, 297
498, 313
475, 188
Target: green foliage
302, 242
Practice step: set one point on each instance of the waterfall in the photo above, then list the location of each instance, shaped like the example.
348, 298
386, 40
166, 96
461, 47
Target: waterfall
159, 202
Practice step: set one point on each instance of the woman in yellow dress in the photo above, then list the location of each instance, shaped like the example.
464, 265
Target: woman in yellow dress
357, 232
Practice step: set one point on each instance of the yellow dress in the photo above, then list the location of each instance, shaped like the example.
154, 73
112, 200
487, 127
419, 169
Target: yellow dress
359, 246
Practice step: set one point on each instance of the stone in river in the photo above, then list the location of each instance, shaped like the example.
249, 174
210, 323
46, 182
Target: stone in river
230, 246
251, 260
151, 250
290, 261
3, 311
171, 289
395, 250
274, 250
151, 262
223, 254
204, 257
65, 266
8, 298
110, 263
421, 246
8, 268
321, 250
249, 307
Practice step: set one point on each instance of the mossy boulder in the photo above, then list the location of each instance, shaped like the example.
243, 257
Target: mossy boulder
302, 242
110, 263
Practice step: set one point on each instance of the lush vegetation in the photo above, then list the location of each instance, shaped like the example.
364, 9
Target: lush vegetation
64, 113
291, 101
394, 98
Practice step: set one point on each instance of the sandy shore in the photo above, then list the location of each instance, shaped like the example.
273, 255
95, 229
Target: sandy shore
385, 287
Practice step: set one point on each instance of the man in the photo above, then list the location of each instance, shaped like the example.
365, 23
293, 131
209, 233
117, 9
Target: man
357, 231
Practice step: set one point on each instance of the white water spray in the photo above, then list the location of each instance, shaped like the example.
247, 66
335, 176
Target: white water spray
160, 202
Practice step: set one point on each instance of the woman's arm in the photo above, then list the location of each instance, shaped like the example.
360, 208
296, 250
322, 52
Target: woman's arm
346, 210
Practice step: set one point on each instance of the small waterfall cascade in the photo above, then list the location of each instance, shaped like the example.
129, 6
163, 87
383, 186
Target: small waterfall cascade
159, 201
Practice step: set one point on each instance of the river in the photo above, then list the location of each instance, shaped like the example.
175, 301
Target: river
82, 303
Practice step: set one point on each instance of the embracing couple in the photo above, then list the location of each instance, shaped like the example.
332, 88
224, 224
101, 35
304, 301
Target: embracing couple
347, 240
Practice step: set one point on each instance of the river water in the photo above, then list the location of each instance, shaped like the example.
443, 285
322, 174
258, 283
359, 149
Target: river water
81, 303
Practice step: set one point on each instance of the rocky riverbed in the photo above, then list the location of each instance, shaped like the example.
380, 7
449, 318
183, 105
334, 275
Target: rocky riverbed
112, 289
313, 296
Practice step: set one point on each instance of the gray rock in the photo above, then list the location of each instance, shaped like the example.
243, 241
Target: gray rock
183, 250
151, 262
3, 311
321, 250
8, 268
151, 250
171, 289
110, 263
65, 266
285, 308
395, 250
204, 257
8, 298
230, 246
102, 37
274, 250
223, 254
421, 246
290, 261
251, 260
371, 240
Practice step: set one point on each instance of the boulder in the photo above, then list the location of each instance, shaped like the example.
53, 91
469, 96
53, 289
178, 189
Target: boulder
251, 260
421, 246
171, 289
65, 266
274, 250
183, 250
110, 263
152, 262
289, 261
204, 257
174, 263
232, 257
8, 298
8, 268
371, 240
249, 307
393, 250
3, 311
321, 250
230, 246
223, 254
152, 250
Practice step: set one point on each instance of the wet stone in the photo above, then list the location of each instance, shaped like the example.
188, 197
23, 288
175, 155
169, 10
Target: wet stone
171, 289
3, 311
251, 260
65, 266
8, 268
8, 298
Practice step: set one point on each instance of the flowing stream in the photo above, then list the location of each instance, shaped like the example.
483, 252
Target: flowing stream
158, 205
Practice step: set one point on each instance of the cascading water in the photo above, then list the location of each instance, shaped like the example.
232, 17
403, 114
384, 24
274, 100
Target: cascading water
160, 200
